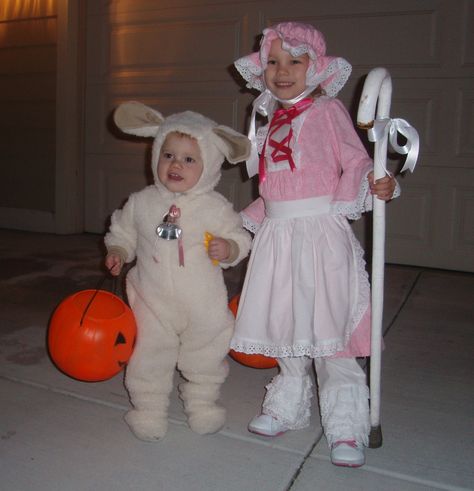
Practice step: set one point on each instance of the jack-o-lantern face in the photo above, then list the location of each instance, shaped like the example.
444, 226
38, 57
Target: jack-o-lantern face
91, 340
249, 360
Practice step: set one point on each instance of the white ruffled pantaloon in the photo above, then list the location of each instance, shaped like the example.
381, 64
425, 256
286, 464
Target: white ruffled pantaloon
343, 397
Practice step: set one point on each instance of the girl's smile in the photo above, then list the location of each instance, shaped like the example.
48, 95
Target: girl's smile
285, 75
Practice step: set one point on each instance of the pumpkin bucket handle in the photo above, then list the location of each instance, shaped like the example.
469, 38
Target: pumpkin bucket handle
97, 288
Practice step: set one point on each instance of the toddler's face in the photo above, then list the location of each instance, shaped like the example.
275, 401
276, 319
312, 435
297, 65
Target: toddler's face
180, 163
285, 75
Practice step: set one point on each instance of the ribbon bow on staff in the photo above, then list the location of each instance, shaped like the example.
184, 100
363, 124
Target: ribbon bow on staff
394, 126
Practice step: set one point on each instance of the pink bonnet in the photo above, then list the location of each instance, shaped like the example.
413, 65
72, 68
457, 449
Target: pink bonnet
297, 38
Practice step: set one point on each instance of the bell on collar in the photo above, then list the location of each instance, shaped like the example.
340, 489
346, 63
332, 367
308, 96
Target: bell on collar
168, 231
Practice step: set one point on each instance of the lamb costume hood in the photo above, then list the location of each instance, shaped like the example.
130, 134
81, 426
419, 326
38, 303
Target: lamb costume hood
181, 309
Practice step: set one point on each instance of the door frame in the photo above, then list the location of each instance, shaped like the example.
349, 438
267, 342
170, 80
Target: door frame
70, 76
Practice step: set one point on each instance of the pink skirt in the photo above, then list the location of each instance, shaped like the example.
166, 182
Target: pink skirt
306, 292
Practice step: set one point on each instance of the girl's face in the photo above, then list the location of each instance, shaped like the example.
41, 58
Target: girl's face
285, 75
180, 164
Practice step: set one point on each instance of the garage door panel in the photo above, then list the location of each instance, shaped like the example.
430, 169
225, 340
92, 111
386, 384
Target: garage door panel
177, 54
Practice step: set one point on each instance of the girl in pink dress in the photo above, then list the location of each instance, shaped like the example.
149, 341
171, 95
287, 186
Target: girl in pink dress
306, 295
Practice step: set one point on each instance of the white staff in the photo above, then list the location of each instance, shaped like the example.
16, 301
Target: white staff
377, 92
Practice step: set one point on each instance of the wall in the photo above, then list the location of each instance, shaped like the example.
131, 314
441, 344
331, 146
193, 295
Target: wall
178, 54
28, 104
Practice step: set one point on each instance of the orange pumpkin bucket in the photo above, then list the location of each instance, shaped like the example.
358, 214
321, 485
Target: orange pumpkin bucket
91, 335
254, 360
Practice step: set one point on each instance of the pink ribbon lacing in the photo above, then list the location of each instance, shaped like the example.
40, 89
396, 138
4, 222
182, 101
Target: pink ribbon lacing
282, 150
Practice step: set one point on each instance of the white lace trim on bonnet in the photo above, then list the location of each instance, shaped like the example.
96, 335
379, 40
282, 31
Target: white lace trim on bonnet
297, 38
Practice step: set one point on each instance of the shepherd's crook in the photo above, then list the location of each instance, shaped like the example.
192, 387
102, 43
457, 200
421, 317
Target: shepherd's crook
377, 92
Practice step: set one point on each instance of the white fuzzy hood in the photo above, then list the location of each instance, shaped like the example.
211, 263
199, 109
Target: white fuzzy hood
216, 142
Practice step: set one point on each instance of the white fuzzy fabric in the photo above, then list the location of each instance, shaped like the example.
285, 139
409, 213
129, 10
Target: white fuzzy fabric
181, 311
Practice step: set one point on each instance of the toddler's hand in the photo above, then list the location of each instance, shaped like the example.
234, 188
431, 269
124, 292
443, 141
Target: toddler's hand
113, 262
383, 188
219, 249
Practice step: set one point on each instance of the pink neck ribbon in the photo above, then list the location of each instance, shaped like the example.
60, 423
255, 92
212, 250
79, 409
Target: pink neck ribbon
282, 150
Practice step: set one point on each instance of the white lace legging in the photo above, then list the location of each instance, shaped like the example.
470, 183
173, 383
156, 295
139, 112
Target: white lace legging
343, 397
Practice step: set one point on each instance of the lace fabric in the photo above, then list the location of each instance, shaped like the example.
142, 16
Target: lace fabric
289, 350
250, 72
363, 302
333, 78
331, 73
262, 133
345, 413
288, 399
249, 224
335, 75
353, 210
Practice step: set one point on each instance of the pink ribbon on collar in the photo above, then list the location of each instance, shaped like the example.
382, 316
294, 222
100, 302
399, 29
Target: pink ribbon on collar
173, 214
282, 150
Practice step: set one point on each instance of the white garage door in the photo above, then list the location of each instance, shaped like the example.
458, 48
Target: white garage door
177, 54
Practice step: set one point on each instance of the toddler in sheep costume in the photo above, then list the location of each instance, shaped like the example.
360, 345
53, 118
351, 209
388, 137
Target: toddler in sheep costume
176, 288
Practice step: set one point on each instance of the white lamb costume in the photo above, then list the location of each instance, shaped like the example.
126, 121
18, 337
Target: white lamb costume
181, 311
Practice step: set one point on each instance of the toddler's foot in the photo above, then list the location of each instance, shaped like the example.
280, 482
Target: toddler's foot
266, 425
149, 426
208, 419
347, 454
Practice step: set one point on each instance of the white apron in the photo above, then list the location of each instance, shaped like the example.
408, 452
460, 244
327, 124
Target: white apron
306, 288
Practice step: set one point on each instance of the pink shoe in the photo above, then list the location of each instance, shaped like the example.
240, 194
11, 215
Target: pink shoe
266, 425
348, 453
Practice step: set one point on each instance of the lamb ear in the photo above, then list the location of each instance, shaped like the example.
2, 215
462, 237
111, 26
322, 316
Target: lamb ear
234, 145
134, 118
